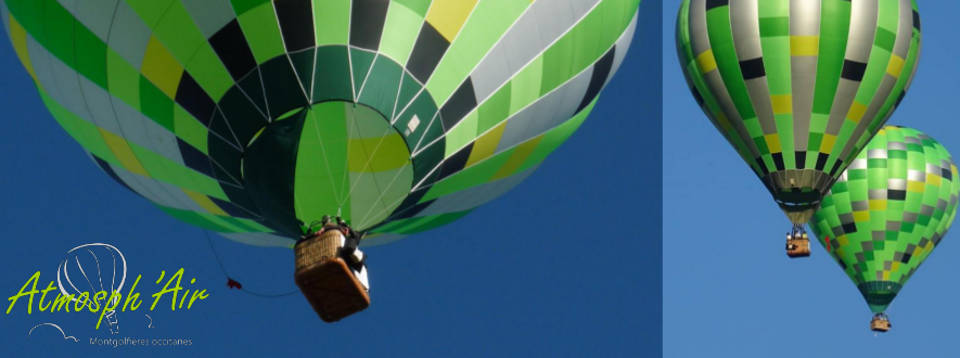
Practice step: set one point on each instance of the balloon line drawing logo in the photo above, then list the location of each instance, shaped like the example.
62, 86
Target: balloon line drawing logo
89, 279
112, 266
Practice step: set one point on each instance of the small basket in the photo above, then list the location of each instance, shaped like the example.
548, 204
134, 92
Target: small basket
325, 279
879, 324
798, 247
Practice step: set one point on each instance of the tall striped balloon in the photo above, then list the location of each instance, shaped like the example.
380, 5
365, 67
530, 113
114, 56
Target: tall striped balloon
798, 87
254, 118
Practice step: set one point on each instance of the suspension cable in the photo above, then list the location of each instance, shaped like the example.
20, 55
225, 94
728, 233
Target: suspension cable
223, 270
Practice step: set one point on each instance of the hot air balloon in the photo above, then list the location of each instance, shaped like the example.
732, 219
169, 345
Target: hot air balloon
798, 87
257, 118
887, 212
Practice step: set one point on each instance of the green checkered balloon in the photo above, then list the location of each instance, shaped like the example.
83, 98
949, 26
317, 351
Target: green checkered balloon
888, 211
798, 87
255, 118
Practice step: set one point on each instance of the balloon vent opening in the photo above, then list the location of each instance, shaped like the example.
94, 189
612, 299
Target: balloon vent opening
798, 192
330, 157
325, 279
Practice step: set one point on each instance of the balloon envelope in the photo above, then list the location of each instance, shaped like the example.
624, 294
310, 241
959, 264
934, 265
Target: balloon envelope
888, 211
256, 118
798, 87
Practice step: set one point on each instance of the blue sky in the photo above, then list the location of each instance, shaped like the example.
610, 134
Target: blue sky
567, 264
729, 290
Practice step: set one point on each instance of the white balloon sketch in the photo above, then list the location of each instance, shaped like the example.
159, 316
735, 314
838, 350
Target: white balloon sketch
92, 268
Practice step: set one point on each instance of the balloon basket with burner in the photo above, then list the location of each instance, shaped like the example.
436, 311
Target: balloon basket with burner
798, 244
880, 323
798, 248
325, 279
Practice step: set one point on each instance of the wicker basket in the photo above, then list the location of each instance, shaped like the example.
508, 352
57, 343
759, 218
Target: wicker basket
798, 247
318, 249
325, 279
879, 324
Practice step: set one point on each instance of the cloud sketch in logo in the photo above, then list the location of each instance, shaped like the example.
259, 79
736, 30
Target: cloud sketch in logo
65, 336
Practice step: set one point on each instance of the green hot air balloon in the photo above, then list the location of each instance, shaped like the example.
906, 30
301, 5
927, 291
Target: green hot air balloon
888, 211
256, 118
798, 87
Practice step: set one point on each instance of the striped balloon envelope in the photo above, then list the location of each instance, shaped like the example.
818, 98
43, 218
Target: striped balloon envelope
254, 118
798, 87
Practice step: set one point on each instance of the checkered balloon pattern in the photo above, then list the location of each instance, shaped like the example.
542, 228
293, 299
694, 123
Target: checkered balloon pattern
888, 211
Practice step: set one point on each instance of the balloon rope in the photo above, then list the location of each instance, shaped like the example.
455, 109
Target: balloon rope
323, 150
382, 191
366, 164
380, 198
223, 270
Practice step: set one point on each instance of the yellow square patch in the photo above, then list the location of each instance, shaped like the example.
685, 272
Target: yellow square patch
121, 149
484, 147
18, 36
205, 202
856, 112
826, 145
448, 16
895, 67
706, 61
915, 186
520, 154
773, 142
861, 216
782, 104
804, 45
161, 68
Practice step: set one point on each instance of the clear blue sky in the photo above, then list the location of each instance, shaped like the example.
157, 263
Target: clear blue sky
729, 289
567, 264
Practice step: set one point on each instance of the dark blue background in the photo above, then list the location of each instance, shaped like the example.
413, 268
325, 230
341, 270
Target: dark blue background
567, 264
